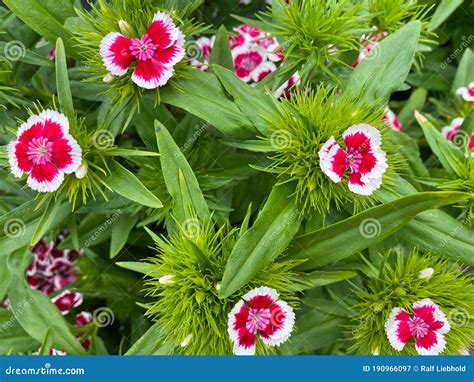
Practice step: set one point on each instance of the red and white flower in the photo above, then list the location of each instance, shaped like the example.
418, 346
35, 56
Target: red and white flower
427, 326
247, 59
200, 55
285, 89
260, 313
391, 118
155, 53
450, 132
467, 93
45, 151
264, 70
67, 300
52, 269
363, 157
83, 319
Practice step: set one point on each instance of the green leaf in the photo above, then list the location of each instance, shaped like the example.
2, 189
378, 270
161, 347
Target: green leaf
13, 338
37, 314
375, 80
47, 18
254, 103
416, 102
118, 152
54, 214
273, 230
47, 343
465, 73
317, 279
124, 183
366, 228
450, 156
175, 170
135, 266
149, 343
62, 82
201, 94
442, 13
221, 53
120, 232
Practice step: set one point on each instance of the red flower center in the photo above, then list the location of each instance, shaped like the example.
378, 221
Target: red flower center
39, 150
143, 48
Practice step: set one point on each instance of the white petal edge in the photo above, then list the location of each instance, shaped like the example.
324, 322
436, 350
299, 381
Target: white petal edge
76, 154
46, 186
107, 55
391, 327
371, 132
326, 154
284, 332
261, 291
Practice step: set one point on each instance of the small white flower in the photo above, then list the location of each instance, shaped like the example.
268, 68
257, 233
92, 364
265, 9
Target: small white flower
81, 171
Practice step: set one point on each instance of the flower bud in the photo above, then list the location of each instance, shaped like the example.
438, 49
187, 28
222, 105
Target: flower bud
81, 171
125, 28
186, 340
108, 78
166, 279
426, 273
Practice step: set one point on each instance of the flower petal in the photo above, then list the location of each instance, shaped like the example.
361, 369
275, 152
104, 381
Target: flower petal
260, 294
244, 340
116, 54
18, 159
173, 54
163, 30
281, 324
67, 300
151, 74
433, 343
45, 178
362, 137
333, 160
66, 154
432, 315
363, 186
397, 329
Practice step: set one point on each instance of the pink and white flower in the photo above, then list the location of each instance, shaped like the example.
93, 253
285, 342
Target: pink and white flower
67, 300
450, 132
155, 53
45, 151
363, 158
427, 326
247, 59
467, 93
200, 59
264, 70
260, 313
391, 118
